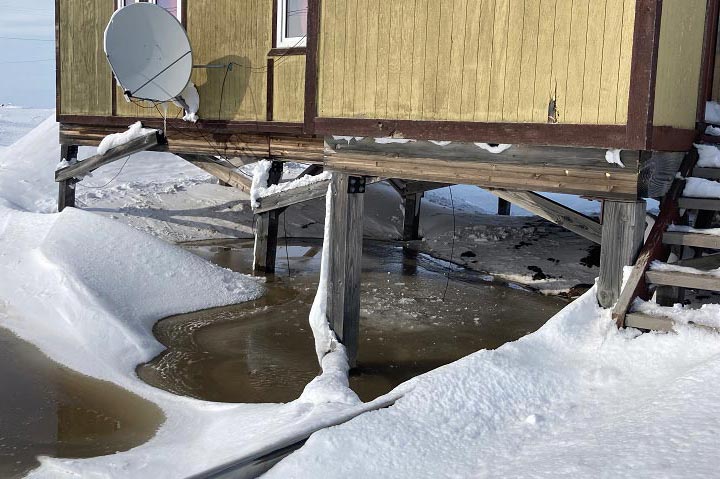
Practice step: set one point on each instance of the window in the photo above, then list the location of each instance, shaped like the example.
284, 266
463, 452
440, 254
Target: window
172, 6
291, 23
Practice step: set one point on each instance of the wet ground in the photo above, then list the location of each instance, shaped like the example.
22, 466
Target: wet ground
263, 351
49, 410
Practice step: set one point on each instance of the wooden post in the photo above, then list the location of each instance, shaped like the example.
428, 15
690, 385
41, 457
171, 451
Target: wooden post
504, 207
411, 226
66, 188
266, 230
623, 232
345, 260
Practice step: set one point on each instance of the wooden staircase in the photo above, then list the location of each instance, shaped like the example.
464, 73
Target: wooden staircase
669, 281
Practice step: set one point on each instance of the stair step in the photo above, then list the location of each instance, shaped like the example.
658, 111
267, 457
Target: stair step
657, 323
707, 173
696, 240
705, 263
709, 139
684, 280
709, 204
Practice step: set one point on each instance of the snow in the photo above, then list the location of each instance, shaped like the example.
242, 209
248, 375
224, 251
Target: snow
496, 149
613, 157
709, 156
689, 229
707, 315
712, 131
389, 140
114, 140
712, 112
660, 266
578, 398
260, 176
192, 100
440, 143
701, 188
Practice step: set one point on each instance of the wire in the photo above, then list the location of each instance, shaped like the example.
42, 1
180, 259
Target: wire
111, 180
452, 247
287, 248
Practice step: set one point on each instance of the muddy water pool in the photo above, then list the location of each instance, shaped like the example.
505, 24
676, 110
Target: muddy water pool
263, 351
49, 410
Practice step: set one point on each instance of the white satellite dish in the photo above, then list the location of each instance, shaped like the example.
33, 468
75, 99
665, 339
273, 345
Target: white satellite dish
149, 52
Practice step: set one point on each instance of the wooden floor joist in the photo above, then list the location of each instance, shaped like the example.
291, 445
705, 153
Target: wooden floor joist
554, 212
221, 171
679, 279
696, 240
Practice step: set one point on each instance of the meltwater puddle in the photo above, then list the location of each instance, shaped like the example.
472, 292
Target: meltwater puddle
49, 410
263, 351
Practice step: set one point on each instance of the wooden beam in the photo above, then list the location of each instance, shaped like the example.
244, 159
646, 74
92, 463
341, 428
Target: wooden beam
708, 204
266, 230
623, 231
707, 173
298, 195
66, 188
411, 223
346, 218
554, 212
684, 280
696, 240
219, 170
151, 141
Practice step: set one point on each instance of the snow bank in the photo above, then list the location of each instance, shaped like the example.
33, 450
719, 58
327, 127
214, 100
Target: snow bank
707, 315
114, 140
701, 188
578, 398
709, 156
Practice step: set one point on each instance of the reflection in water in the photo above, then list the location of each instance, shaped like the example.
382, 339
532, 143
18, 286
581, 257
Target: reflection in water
47, 409
263, 351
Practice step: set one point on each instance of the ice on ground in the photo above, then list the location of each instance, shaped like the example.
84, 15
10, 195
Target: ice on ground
578, 398
389, 140
709, 156
114, 140
701, 188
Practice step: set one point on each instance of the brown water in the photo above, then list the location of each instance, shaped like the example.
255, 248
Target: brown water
47, 409
263, 351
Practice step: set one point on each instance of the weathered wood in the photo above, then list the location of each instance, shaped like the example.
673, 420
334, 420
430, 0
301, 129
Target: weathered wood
266, 230
645, 321
151, 141
220, 171
554, 212
66, 188
298, 195
622, 237
411, 223
684, 280
657, 172
504, 207
345, 254
707, 173
424, 186
708, 204
695, 240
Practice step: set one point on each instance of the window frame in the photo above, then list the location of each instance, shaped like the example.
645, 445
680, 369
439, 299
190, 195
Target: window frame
282, 41
121, 3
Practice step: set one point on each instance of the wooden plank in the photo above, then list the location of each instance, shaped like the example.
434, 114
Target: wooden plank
554, 212
220, 171
353, 39
695, 240
144, 143
444, 60
529, 60
394, 59
513, 60
708, 204
652, 323
609, 77
626, 47
458, 45
360, 53
594, 52
383, 58
432, 51
543, 90
485, 61
371, 59
705, 282
417, 81
266, 230
504, 207
499, 59
623, 231
576, 62
707, 173
561, 53
470, 59
407, 27
66, 188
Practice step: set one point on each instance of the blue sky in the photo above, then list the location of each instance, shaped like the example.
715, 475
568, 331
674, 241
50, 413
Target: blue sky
27, 79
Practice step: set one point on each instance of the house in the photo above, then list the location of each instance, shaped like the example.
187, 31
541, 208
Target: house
577, 87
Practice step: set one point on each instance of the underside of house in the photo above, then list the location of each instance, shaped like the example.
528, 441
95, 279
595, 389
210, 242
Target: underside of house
602, 99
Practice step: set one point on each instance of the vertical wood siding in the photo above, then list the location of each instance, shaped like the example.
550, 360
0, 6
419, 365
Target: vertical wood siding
85, 77
679, 63
476, 60
289, 89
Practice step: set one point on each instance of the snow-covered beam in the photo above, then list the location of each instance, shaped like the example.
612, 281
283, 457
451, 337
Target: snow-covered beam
224, 173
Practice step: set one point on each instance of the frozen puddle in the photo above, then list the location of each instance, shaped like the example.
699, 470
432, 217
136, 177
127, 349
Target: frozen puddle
49, 410
263, 351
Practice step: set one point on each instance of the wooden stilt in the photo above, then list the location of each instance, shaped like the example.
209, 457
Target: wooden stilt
66, 188
266, 230
345, 260
504, 207
411, 227
623, 232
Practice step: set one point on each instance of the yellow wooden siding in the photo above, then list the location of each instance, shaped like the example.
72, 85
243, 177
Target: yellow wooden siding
85, 77
476, 60
679, 63
289, 89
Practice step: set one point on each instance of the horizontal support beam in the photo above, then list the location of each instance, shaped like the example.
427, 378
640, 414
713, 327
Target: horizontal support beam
696, 240
707, 204
222, 172
684, 280
151, 141
554, 212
